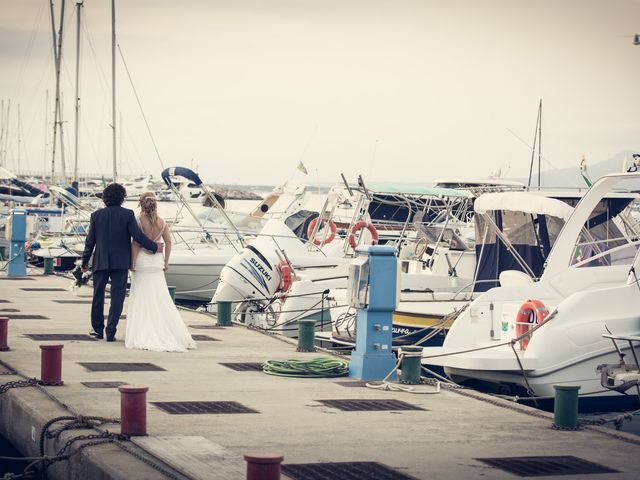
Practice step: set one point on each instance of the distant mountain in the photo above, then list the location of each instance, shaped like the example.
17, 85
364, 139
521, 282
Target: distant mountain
571, 177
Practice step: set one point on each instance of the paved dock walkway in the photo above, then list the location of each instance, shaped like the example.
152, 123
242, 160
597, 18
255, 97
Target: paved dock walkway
443, 439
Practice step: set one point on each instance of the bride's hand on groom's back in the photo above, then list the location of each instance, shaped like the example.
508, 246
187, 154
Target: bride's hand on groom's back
160, 247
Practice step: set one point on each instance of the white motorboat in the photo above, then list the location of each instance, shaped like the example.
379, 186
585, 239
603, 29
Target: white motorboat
527, 336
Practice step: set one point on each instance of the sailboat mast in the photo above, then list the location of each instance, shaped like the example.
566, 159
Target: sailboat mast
57, 53
79, 5
46, 127
19, 166
121, 150
533, 149
63, 162
113, 86
6, 133
539, 143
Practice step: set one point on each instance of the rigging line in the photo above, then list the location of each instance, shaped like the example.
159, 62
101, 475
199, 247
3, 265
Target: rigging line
135, 92
533, 150
89, 138
126, 130
542, 157
104, 84
306, 147
524, 375
124, 152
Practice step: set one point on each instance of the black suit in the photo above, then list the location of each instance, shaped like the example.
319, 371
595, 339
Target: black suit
110, 233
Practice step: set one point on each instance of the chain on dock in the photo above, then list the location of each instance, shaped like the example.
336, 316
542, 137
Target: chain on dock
31, 382
75, 421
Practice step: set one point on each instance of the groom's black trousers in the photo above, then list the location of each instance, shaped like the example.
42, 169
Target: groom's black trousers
118, 290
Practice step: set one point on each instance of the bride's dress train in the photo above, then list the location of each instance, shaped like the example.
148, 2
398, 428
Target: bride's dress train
153, 321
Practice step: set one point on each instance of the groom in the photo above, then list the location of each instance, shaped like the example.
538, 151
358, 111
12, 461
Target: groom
110, 232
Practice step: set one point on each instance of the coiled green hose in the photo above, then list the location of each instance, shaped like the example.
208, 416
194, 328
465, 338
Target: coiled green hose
315, 368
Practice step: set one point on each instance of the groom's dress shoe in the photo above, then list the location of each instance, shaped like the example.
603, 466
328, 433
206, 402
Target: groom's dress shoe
96, 335
111, 339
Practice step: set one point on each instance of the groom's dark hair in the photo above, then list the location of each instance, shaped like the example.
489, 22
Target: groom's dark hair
114, 195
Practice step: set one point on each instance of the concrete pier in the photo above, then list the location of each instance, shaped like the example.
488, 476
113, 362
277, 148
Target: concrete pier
443, 438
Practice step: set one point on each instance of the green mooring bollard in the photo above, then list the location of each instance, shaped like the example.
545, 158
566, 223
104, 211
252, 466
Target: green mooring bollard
411, 366
565, 408
48, 265
224, 314
172, 292
306, 335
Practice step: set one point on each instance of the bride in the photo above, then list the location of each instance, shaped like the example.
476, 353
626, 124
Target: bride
153, 321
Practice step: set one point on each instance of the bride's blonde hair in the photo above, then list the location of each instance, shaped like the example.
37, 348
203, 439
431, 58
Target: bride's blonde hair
149, 206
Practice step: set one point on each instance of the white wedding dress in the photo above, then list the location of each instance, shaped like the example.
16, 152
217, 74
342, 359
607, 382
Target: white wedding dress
153, 321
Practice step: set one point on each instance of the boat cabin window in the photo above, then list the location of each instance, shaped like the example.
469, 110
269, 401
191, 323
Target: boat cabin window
609, 237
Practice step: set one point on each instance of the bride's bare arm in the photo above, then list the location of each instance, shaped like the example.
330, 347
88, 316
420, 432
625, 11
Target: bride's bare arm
166, 236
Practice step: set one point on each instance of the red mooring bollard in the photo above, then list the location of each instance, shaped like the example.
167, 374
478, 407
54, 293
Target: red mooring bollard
4, 329
51, 364
133, 410
263, 466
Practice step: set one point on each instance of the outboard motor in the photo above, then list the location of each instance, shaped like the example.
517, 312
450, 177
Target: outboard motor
260, 270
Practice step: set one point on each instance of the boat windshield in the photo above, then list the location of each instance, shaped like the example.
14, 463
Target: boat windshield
610, 237
213, 220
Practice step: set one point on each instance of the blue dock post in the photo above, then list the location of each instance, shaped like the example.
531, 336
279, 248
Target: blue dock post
17, 261
377, 266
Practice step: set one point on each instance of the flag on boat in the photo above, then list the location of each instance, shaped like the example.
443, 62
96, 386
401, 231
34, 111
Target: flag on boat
302, 168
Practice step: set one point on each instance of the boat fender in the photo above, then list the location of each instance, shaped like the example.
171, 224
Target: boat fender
319, 241
532, 312
359, 226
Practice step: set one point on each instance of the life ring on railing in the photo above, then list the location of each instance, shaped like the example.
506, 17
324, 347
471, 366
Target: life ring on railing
420, 247
359, 226
286, 276
531, 312
318, 241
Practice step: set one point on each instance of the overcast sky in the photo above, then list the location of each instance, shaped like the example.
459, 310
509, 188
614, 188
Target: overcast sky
394, 90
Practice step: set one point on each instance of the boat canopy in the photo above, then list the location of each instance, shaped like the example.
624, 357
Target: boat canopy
515, 231
522, 202
190, 175
415, 190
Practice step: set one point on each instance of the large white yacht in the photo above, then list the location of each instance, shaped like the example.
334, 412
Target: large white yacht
528, 336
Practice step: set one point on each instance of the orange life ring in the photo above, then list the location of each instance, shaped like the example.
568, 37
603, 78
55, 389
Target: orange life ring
419, 250
531, 312
317, 241
359, 226
286, 275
